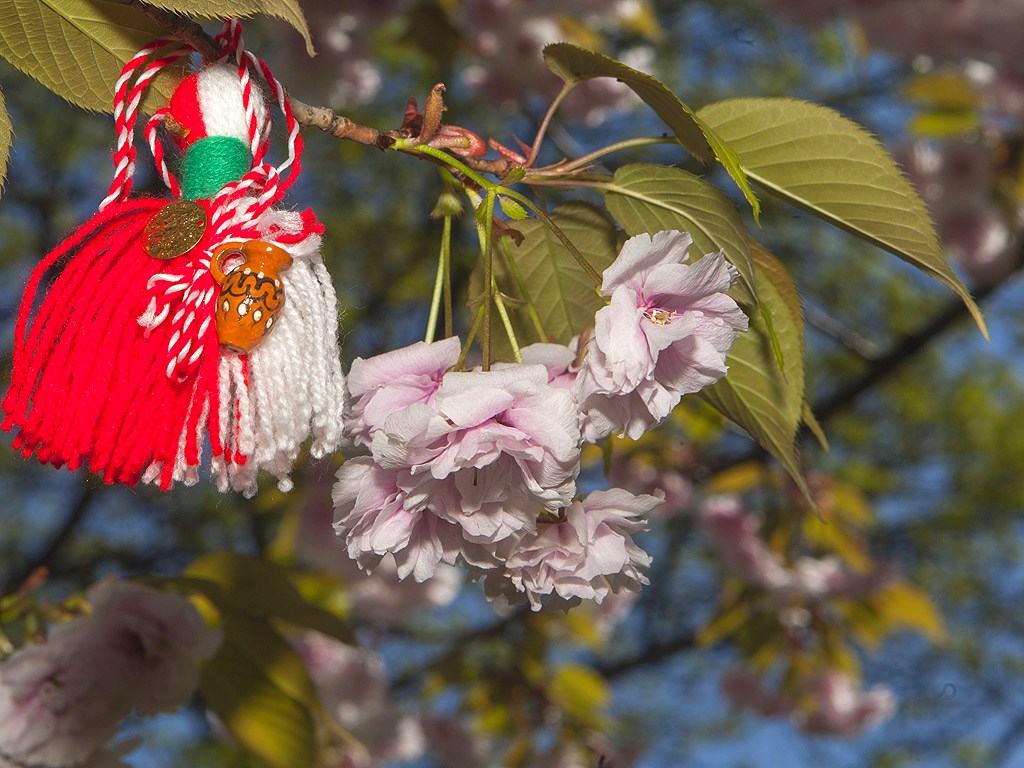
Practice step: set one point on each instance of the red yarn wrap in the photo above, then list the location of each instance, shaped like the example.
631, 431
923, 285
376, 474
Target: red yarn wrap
89, 385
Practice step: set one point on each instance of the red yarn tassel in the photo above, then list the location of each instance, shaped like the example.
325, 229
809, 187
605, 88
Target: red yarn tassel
89, 384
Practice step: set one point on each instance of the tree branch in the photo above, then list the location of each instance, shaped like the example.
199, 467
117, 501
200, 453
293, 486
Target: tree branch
75, 514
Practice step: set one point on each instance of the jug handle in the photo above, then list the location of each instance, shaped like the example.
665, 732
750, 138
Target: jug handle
223, 252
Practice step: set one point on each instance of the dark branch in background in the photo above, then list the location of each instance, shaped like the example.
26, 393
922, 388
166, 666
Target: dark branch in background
885, 365
75, 514
409, 676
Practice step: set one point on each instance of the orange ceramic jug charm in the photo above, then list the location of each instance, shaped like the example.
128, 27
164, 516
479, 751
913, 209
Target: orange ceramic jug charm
251, 293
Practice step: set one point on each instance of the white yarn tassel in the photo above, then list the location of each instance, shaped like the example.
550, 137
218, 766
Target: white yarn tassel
296, 385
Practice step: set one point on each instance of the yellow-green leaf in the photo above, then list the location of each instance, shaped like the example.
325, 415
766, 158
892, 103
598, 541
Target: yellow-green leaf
6, 137
264, 646
649, 198
287, 10
261, 589
757, 394
563, 294
902, 605
581, 693
261, 717
816, 159
573, 63
725, 622
77, 48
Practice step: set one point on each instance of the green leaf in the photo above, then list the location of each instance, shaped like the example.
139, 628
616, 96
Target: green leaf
580, 692
757, 394
260, 716
256, 587
903, 605
574, 63
77, 48
287, 10
264, 646
812, 423
565, 297
649, 198
512, 209
6, 137
834, 169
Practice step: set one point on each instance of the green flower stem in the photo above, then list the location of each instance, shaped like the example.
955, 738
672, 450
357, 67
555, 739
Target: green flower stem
535, 149
484, 227
509, 331
460, 365
446, 261
568, 167
517, 276
447, 159
435, 303
585, 265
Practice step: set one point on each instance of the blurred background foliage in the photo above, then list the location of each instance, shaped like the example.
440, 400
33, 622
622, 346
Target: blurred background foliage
922, 415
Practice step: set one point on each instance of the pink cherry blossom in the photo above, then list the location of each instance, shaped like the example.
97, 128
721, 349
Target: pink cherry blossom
494, 448
587, 552
376, 519
61, 700
842, 708
159, 637
664, 334
387, 383
353, 688
743, 553
559, 360
744, 689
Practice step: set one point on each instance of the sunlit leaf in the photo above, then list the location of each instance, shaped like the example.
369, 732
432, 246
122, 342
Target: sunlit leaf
906, 606
77, 48
574, 63
259, 588
260, 716
816, 159
563, 294
287, 10
649, 198
724, 623
757, 394
264, 646
580, 691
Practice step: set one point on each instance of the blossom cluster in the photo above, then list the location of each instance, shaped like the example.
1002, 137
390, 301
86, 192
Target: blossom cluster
957, 182
834, 705
62, 700
479, 468
499, 42
745, 555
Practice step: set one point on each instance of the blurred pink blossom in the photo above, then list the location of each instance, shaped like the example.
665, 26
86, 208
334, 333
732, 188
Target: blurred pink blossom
452, 744
735, 536
588, 552
159, 637
504, 40
842, 708
745, 555
61, 700
743, 688
638, 476
354, 691
665, 333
